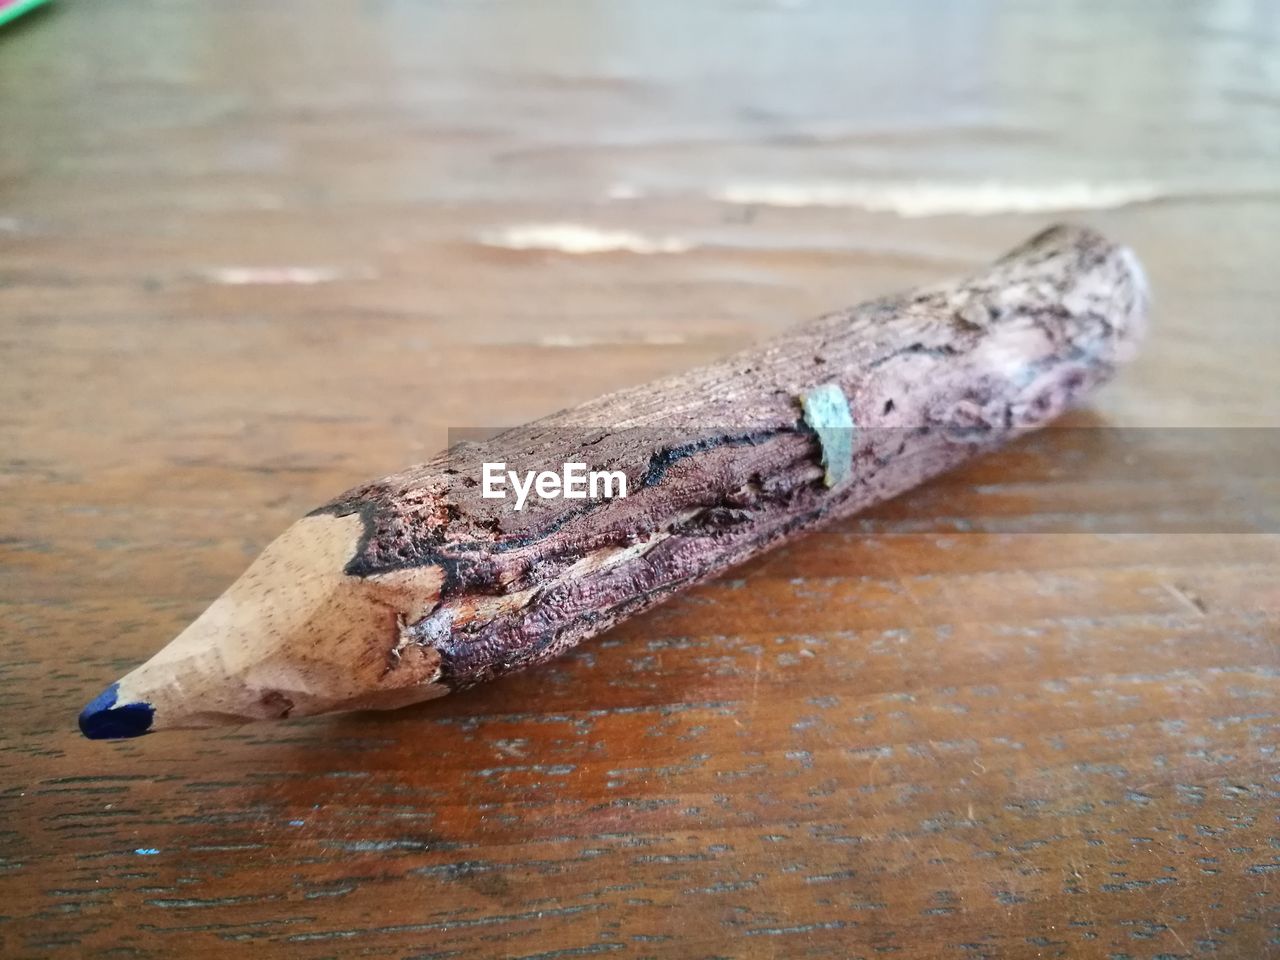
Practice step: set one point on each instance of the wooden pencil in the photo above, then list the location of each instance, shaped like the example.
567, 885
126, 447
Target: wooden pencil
442, 577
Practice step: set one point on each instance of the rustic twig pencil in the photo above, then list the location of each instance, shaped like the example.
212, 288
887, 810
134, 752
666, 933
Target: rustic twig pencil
430, 581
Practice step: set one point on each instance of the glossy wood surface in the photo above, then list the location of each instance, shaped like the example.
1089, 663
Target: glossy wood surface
251, 254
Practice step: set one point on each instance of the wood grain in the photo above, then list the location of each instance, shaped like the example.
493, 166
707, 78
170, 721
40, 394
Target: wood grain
1028, 711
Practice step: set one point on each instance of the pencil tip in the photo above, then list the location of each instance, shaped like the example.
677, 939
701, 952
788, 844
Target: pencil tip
104, 719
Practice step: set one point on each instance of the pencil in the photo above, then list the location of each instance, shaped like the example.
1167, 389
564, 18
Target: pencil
501, 554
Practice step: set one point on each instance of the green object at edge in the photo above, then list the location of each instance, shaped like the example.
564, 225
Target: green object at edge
18, 9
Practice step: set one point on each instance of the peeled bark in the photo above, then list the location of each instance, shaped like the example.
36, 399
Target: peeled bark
722, 462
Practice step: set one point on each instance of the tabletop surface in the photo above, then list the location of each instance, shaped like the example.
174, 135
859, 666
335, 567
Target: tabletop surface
252, 254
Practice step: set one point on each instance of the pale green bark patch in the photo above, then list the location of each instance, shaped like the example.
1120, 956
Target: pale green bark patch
826, 411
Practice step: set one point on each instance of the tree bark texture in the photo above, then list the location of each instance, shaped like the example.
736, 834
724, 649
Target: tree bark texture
722, 462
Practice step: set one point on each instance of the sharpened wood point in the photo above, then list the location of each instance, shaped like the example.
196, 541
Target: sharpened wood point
294, 635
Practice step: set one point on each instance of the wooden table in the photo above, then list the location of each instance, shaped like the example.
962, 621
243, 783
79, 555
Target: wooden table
251, 254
